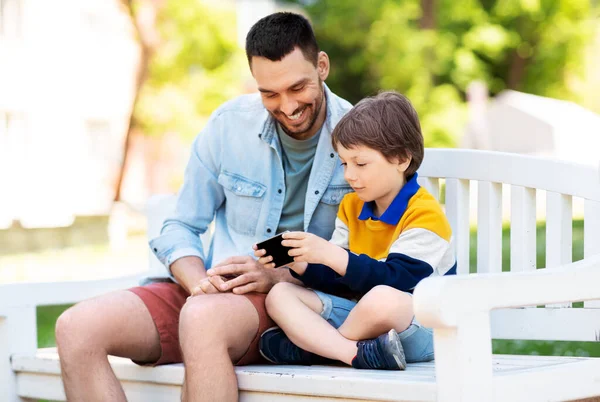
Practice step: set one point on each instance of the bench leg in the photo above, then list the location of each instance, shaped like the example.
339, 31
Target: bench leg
18, 334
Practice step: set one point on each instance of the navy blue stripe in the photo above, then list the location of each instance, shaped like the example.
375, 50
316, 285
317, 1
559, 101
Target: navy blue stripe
398, 271
321, 277
451, 271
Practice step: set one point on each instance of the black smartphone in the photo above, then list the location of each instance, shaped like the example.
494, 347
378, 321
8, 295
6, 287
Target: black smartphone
275, 249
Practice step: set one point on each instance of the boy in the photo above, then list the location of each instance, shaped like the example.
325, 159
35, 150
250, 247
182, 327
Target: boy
390, 234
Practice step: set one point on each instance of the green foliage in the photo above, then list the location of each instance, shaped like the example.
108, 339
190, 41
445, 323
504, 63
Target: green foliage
194, 69
534, 46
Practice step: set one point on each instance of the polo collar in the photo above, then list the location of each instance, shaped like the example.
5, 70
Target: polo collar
394, 212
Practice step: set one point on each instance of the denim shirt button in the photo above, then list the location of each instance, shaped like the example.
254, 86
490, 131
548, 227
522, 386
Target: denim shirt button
268, 230
317, 192
279, 191
331, 155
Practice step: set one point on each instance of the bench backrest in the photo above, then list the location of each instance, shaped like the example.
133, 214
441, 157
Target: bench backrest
486, 191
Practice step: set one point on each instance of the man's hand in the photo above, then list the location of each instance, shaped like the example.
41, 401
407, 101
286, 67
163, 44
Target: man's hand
207, 286
250, 276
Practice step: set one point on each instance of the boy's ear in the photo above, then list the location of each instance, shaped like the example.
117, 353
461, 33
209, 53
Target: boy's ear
404, 164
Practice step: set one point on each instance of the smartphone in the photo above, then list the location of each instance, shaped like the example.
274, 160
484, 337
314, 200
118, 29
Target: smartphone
275, 249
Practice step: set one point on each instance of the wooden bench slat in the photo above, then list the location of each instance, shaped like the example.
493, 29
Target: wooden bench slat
489, 222
591, 237
522, 229
38, 377
457, 210
559, 233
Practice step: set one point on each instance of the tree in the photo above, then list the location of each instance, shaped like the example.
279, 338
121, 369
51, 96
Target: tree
431, 50
190, 63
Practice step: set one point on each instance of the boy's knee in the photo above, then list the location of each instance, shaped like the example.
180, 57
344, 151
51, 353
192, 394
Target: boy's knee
386, 302
277, 295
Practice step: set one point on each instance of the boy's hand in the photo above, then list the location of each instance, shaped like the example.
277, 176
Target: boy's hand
307, 247
265, 261
310, 248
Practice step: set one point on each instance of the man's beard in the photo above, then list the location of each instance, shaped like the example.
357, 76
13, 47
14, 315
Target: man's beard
316, 112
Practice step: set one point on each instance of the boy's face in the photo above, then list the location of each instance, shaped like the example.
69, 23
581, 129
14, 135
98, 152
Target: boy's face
371, 175
292, 91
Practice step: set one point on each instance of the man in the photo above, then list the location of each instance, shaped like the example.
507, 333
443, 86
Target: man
263, 164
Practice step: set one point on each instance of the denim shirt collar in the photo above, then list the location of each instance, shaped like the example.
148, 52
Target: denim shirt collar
394, 212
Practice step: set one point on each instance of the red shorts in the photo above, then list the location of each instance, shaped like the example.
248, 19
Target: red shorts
164, 302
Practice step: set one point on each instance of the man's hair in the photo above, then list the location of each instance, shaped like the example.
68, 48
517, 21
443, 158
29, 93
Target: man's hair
277, 35
387, 123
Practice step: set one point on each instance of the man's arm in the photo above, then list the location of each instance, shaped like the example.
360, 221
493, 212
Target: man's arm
188, 272
178, 246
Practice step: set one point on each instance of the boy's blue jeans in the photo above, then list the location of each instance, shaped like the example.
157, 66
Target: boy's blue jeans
417, 340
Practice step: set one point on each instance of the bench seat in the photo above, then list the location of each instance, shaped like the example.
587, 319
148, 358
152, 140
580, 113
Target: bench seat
516, 378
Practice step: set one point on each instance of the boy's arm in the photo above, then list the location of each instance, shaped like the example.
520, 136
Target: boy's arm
323, 275
423, 246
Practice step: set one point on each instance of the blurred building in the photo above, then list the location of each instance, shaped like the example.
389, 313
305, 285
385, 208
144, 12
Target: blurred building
67, 72
535, 125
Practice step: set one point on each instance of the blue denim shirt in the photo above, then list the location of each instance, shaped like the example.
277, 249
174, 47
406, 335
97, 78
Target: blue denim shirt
234, 177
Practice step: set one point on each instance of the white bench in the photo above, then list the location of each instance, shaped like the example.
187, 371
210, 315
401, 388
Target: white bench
466, 311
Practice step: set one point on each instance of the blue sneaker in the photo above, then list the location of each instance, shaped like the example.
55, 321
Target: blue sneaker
384, 353
277, 348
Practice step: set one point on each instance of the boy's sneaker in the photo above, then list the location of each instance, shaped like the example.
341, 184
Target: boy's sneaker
277, 348
384, 352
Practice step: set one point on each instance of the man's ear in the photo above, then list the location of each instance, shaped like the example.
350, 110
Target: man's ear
323, 66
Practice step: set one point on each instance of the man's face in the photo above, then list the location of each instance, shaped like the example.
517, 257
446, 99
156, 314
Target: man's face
292, 91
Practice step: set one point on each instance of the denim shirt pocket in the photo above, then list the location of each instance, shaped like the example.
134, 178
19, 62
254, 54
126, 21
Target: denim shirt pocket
334, 194
244, 198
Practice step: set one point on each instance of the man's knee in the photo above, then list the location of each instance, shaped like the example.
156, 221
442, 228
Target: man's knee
210, 323
210, 316
72, 332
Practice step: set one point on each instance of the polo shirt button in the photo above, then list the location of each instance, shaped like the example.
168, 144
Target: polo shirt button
279, 191
317, 192
268, 230
331, 155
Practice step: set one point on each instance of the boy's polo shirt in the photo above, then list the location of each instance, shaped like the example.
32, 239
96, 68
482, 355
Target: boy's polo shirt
410, 241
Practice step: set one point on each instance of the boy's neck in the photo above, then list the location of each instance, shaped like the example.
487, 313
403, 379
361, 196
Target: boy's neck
383, 203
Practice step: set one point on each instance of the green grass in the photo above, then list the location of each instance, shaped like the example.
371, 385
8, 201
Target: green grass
47, 316
46, 319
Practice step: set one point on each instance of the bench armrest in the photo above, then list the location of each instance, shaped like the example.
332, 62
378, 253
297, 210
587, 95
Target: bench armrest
458, 309
440, 301
52, 293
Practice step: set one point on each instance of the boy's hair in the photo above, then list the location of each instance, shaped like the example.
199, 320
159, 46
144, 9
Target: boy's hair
277, 35
387, 123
